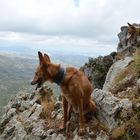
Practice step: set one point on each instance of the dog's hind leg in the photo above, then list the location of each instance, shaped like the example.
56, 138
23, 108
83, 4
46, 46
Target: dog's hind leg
90, 111
69, 111
81, 118
92, 106
65, 111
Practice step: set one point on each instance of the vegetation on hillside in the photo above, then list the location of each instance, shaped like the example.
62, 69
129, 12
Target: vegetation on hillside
129, 128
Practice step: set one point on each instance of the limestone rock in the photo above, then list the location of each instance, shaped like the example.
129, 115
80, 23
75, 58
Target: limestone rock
57, 105
22, 119
138, 86
114, 71
60, 137
109, 106
96, 69
127, 46
102, 136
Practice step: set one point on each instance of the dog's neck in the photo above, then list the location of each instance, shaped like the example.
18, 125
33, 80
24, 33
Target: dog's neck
60, 76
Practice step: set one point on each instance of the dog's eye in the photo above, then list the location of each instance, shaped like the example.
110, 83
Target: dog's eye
36, 73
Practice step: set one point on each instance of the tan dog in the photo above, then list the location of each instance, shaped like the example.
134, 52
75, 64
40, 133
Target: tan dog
133, 31
75, 86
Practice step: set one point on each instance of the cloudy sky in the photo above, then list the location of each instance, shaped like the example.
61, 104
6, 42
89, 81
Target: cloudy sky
66, 24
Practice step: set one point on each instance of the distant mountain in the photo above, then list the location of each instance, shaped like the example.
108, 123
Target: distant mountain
15, 73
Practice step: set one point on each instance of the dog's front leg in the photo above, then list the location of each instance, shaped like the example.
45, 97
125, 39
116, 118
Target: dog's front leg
69, 111
81, 118
65, 110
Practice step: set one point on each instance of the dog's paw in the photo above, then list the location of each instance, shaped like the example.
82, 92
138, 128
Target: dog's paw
81, 131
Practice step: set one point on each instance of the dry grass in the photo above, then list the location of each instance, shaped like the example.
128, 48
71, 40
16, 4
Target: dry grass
119, 56
136, 65
133, 68
48, 107
47, 102
129, 130
95, 124
118, 133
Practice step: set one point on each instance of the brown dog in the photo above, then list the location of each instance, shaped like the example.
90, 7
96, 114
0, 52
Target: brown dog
75, 86
131, 30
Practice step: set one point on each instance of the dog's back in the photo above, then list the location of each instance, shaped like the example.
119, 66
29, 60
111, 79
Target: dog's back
76, 86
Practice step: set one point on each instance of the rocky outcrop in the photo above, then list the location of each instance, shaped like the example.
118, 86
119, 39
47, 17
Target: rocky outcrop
23, 119
109, 107
127, 46
114, 71
96, 69
38, 116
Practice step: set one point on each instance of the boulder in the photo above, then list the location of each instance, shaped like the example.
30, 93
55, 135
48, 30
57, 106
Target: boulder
108, 107
22, 119
138, 86
102, 136
114, 71
127, 45
96, 69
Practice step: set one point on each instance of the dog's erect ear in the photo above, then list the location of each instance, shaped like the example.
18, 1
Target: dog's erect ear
40, 57
129, 24
47, 58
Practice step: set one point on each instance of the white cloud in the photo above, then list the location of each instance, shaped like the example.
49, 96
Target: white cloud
68, 22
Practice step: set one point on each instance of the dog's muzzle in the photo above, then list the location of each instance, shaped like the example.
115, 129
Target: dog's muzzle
39, 83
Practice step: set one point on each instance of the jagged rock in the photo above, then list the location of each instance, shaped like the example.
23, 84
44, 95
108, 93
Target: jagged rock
126, 104
96, 69
138, 86
13, 130
24, 121
50, 131
102, 136
54, 136
57, 105
122, 37
126, 45
60, 137
27, 113
75, 131
109, 106
15, 105
24, 105
114, 71
59, 116
53, 114
38, 130
87, 129
77, 137
8, 133
123, 85
6, 118
20, 133
37, 112
91, 133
